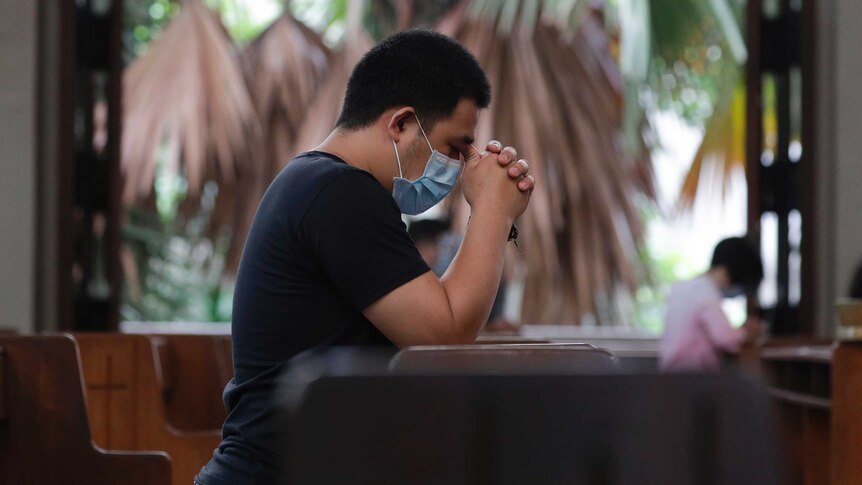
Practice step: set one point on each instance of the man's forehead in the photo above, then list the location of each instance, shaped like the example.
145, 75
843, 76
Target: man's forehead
464, 121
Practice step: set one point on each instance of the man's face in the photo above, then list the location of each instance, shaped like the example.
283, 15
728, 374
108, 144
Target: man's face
450, 136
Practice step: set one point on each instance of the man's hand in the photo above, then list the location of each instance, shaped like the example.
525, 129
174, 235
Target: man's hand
488, 188
517, 171
453, 309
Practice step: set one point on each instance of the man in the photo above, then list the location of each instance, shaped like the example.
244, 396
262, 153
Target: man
696, 328
328, 261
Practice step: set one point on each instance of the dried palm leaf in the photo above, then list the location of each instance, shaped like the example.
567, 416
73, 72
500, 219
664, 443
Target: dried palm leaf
326, 104
283, 68
557, 98
186, 103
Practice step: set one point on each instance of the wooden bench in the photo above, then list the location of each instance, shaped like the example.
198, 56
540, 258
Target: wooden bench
514, 429
195, 370
799, 378
125, 381
505, 359
44, 431
846, 413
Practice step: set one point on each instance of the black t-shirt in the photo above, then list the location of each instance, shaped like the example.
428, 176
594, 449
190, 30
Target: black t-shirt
326, 242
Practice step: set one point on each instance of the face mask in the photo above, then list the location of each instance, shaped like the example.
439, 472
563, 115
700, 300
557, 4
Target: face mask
434, 185
733, 292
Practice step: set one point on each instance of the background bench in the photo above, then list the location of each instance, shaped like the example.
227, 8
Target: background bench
195, 370
44, 431
125, 382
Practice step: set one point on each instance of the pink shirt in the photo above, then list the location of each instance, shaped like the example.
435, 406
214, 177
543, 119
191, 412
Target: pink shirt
696, 328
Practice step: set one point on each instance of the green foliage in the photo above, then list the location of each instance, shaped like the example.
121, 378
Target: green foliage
244, 22
143, 21
697, 51
178, 259
379, 18
329, 18
179, 269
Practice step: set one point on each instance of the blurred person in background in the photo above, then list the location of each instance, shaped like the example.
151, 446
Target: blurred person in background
697, 330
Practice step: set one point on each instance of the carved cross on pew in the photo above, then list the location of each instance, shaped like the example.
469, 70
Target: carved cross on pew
108, 386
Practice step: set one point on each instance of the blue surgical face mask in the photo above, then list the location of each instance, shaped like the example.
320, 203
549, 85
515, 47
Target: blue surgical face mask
434, 185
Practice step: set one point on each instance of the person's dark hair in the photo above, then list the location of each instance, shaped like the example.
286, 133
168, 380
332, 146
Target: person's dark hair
856, 285
427, 230
742, 261
418, 68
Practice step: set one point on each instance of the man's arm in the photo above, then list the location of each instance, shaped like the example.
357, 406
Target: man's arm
453, 309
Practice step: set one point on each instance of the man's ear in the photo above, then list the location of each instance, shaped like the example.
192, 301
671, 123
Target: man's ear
398, 121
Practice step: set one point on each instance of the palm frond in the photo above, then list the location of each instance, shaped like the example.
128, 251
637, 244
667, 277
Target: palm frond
671, 30
558, 100
185, 100
283, 69
722, 150
330, 96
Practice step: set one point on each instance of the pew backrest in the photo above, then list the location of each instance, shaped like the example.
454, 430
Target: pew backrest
514, 429
125, 383
44, 431
571, 358
195, 370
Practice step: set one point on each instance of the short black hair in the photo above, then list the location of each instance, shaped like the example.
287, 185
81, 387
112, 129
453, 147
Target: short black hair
742, 261
427, 230
418, 68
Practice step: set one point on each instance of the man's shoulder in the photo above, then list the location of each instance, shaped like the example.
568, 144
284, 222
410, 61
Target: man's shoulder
323, 184
314, 165
315, 170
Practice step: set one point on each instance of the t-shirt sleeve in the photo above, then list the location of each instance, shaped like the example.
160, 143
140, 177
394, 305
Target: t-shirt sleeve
355, 233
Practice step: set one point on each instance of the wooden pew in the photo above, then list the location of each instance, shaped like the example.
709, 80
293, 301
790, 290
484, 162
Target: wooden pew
514, 429
847, 414
798, 374
125, 381
195, 370
847, 395
44, 433
504, 359
817, 390
637, 350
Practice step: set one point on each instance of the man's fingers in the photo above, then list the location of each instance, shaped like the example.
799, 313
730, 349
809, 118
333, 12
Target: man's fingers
494, 146
473, 153
507, 156
519, 168
527, 184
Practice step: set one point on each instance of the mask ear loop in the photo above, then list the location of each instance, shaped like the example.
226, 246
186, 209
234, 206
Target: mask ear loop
397, 159
423, 133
